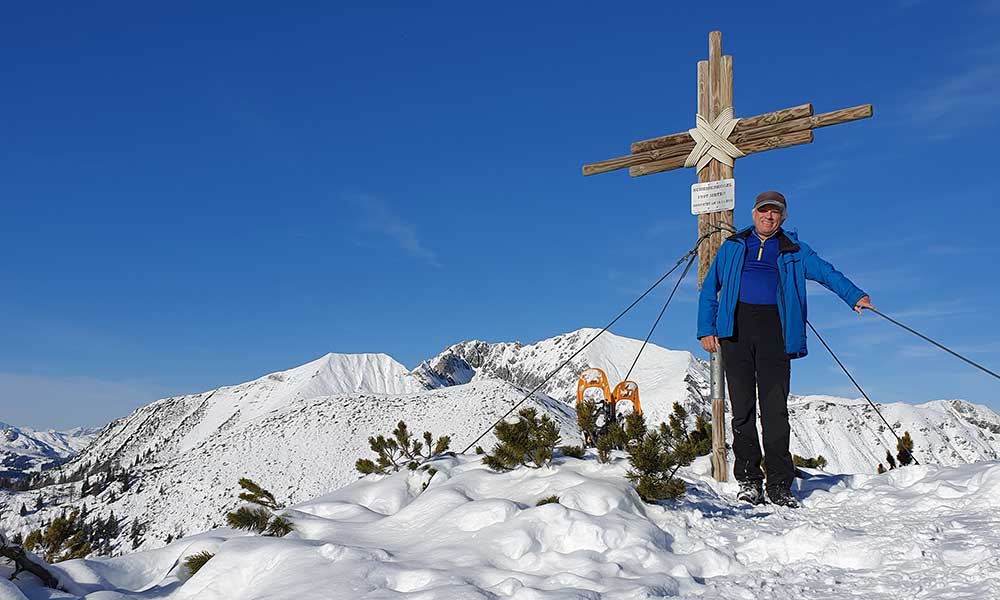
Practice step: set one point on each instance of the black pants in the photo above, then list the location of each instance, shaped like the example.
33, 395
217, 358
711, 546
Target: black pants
757, 368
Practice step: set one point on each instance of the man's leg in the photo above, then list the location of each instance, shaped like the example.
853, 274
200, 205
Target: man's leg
738, 362
773, 373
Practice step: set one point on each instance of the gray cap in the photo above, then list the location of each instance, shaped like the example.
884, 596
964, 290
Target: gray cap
770, 197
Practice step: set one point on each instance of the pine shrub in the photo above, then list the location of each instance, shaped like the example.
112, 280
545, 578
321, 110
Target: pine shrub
657, 457
249, 519
605, 444
279, 527
587, 414
255, 494
64, 538
701, 436
890, 460
401, 449
573, 451
530, 441
33, 540
635, 428
548, 500
904, 449
260, 519
431, 472
195, 562
810, 463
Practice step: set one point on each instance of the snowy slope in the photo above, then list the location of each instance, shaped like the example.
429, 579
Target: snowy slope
298, 449
24, 450
917, 532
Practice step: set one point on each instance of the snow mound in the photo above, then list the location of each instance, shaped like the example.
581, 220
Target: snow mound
922, 531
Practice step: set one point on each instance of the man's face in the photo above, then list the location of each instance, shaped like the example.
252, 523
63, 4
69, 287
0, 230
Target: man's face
767, 219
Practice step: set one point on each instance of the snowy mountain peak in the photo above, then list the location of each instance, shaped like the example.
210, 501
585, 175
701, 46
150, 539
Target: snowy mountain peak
334, 373
24, 450
664, 376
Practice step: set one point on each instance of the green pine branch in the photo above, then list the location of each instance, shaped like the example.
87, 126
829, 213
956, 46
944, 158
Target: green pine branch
195, 562
258, 495
530, 441
249, 519
400, 449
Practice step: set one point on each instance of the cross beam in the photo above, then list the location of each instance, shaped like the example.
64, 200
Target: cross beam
778, 129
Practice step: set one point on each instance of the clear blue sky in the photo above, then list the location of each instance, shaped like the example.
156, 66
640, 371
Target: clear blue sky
196, 194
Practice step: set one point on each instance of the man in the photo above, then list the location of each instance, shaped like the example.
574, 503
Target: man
753, 306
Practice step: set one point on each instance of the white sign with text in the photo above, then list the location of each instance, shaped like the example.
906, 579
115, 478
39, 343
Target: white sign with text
713, 196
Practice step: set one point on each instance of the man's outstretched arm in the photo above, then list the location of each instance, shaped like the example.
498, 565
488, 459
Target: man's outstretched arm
829, 277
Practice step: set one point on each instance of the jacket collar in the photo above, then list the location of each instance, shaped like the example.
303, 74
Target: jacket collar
785, 243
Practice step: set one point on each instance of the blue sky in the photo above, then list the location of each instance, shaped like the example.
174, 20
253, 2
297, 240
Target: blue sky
196, 194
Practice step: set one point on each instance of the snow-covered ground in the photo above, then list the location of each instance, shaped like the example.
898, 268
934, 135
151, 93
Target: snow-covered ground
916, 532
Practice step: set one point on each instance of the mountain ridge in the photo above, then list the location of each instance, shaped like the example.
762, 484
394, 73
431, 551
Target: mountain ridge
298, 431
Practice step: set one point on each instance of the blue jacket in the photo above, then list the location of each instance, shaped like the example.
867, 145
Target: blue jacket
796, 263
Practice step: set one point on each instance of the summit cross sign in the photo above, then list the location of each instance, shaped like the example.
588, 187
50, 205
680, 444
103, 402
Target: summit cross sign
711, 147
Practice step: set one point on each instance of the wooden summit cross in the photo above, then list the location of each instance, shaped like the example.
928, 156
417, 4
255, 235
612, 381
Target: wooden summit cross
716, 144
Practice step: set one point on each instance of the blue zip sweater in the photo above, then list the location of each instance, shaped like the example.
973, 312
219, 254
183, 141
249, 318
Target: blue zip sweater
796, 262
759, 280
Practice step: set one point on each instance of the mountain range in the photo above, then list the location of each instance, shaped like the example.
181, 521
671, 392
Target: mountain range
25, 450
299, 432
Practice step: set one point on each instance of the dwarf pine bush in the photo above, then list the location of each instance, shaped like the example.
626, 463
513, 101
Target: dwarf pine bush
195, 562
655, 459
64, 538
810, 463
260, 519
904, 449
530, 441
573, 451
401, 449
587, 414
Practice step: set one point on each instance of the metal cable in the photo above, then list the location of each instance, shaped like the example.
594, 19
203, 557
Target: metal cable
941, 346
851, 377
660, 316
692, 252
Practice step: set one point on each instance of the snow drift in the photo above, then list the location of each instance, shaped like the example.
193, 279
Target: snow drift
920, 531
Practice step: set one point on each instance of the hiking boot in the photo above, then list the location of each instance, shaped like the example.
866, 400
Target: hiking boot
782, 496
751, 491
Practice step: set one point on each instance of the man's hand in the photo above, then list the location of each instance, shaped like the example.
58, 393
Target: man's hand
710, 343
863, 302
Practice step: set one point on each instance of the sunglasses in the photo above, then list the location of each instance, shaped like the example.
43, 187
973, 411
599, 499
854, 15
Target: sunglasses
769, 208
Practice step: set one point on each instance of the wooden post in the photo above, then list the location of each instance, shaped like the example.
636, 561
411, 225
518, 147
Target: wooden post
719, 94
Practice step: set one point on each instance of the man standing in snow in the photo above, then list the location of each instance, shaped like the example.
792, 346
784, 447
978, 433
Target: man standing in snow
753, 306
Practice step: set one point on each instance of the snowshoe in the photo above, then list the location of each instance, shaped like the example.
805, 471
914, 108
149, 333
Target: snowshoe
751, 491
